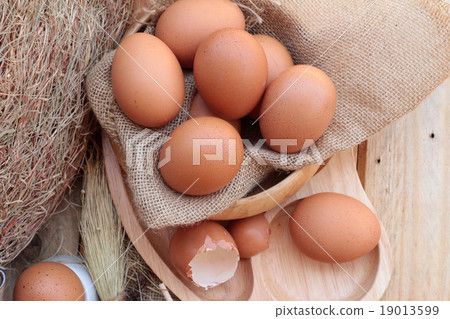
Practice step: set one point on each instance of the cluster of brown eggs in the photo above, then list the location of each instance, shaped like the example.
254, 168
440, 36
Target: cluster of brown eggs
236, 74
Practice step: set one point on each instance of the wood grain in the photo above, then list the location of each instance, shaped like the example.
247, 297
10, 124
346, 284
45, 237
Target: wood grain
407, 180
279, 273
261, 202
409, 190
278, 269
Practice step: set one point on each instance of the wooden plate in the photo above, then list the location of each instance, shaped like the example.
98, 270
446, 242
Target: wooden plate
279, 273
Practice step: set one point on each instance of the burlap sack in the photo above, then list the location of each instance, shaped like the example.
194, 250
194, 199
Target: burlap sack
384, 57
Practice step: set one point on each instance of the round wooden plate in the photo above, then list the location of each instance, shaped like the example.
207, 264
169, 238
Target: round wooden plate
279, 273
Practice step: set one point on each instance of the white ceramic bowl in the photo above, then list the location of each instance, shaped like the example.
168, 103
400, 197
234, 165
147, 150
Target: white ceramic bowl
78, 267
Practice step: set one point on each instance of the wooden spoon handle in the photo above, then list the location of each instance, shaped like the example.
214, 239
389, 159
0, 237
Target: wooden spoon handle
264, 201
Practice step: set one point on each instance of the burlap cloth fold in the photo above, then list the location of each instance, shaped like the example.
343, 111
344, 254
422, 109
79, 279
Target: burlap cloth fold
384, 57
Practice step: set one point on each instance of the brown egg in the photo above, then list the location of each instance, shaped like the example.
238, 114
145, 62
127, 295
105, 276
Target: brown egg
202, 156
186, 23
48, 281
147, 80
205, 253
250, 234
344, 228
278, 60
199, 108
278, 57
230, 70
297, 108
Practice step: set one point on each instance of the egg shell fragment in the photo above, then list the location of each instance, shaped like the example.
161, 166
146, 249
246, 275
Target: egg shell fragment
205, 253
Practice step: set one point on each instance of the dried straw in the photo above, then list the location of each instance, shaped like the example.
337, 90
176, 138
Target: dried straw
102, 233
117, 269
142, 283
46, 48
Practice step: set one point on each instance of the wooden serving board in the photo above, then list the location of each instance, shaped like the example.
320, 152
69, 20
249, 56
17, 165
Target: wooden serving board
279, 273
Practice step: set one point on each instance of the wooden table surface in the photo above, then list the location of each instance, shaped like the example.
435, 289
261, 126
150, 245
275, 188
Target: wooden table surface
406, 176
405, 170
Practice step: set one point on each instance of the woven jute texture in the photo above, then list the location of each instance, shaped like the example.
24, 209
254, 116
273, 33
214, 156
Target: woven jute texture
383, 56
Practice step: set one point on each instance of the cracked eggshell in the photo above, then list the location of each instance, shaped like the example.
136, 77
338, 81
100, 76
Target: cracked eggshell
205, 253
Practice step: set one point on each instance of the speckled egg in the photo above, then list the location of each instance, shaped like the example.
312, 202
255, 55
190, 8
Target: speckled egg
297, 108
186, 23
48, 281
230, 71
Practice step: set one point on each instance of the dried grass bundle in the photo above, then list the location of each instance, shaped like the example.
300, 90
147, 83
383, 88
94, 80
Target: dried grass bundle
102, 233
117, 269
46, 47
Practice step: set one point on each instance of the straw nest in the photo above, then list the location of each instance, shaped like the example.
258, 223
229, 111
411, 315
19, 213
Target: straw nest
46, 48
